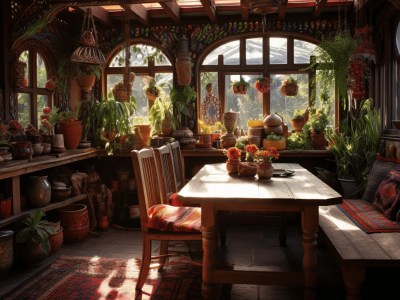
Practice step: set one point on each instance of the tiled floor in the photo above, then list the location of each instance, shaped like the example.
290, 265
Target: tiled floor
247, 246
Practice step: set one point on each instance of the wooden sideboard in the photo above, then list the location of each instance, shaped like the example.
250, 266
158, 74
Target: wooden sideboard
11, 172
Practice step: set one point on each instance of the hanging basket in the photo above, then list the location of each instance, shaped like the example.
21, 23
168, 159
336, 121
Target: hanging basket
239, 89
121, 92
289, 89
150, 96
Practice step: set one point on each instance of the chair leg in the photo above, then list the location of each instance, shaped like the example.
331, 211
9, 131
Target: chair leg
163, 252
145, 265
283, 229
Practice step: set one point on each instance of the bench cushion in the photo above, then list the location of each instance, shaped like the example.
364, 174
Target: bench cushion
387, 198
377, 174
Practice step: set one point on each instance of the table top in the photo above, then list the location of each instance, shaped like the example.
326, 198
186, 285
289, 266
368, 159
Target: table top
213, 184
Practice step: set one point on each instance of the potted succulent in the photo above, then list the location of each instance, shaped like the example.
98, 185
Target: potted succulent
32, 238
240, 86
289, 87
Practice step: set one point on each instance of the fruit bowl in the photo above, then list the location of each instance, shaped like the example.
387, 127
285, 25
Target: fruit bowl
247, 169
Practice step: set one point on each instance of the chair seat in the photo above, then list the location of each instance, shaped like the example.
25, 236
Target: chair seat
165, 217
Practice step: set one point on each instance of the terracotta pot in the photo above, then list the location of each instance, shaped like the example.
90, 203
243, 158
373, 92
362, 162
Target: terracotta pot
5, 208
183, 64
6, 251
72, 131
298, 124
103, 223
289, 89
142, 136
166, 127
228, 140
239, 89
232, 166
265, 170
318, 141
75, 221
86, 82
56, 240
278, 144
22, 150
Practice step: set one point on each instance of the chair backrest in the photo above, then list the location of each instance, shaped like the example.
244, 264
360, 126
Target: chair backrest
166, 171
147, 181
179, 167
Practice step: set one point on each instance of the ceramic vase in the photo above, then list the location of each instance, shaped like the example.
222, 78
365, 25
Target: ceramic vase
39, 191
230, 121
265, 170
232, 166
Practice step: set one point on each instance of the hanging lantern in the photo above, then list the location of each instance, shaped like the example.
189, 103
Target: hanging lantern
88, 52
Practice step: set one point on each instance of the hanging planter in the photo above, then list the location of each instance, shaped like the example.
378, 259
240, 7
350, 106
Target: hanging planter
289, 87
183, 63
263, 85
121, 91
240, 87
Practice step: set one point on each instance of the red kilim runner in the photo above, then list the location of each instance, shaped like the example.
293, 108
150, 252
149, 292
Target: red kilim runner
367, 217
87, 278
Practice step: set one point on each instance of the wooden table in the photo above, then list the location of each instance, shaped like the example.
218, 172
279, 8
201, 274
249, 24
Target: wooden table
213, 189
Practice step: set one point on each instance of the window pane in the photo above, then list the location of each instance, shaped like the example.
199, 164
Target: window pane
42, 102
254, 51
24, 57
41, 71
230, 51
284, 105
164, 80
302, 51
140, 55
210, 107
249, 106
24, 109
118, 60
278, 50
140, 95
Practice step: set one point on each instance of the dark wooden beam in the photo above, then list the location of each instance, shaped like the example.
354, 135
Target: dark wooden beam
244, 9
138, 12
172, 9
99, 14
209, 7
319, 4
282, 9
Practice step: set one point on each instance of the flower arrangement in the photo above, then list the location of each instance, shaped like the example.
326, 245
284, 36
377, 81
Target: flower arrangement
263, 85
266, 155
251, 150
233, 153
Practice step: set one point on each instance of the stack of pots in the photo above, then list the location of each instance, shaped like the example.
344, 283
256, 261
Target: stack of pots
255, 132
273, 123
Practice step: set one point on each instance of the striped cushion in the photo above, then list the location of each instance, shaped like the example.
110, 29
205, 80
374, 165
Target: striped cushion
174, 200
172, 218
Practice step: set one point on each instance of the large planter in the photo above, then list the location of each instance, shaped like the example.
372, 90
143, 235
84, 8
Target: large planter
350, 189
72, 131
6, 251
75, 222
39, 191
142, 136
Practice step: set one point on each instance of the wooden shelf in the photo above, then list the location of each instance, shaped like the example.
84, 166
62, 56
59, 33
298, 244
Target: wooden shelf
48, 207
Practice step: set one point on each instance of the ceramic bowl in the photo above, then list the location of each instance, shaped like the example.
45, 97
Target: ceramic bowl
38, 150
396, 124
46, 148
60, 193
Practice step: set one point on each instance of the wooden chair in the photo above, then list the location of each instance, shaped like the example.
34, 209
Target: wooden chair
165, 165
159, 221
179, 166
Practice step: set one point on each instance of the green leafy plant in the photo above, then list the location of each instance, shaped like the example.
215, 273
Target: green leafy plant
298, 141
241, 82
160, 110
34, 229
356, 144
152, 88
290, 79
274, 137
183, 99
299, 114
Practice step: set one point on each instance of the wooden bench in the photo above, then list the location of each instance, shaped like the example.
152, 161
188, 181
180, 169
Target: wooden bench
355, 249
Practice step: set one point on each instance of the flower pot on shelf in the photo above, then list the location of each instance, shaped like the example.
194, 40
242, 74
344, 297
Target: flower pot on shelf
72, 132
298, 124
318, 140
142, 136
278, 144
232, 166
265, 170
5, 207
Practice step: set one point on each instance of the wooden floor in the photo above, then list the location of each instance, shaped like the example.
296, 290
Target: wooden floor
248, 246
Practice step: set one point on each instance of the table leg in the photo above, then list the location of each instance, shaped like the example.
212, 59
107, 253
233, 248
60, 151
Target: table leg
209, 249
309, 224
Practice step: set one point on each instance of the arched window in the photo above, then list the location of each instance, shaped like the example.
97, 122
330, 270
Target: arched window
251, 58
31, 95
145, 60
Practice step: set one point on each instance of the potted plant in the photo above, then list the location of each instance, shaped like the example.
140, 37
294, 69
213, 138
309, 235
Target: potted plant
289, 87
299, 119
240, 86
121, 90
263, 85
152, 91
274, 140
160, 116
298, 140
109, 119
32, 238
183, 101
355, 146
142, 132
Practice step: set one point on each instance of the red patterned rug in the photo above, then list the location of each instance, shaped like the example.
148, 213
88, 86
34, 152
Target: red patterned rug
367, 217
86, 278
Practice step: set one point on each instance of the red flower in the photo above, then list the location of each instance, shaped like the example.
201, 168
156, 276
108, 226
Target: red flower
251, 149
267, 155
263, 85
233, 153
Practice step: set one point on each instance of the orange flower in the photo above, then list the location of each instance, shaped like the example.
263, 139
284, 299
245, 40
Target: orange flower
267, 155
251, 149
233, 153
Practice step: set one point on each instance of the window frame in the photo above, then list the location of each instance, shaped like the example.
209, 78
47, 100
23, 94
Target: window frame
242, 68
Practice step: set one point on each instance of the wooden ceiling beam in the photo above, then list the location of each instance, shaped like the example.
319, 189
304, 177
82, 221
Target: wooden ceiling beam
172, 9
319, 4
138, 12
99, 14
209, 7
282, 9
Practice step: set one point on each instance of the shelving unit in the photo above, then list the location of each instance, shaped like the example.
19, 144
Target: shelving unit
13, 170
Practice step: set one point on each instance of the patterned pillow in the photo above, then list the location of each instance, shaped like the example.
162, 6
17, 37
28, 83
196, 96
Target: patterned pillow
378, 172
172, 218
387, 197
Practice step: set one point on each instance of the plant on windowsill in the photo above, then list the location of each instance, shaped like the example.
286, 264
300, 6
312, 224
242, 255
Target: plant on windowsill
160, 116
240, 86
299, 119
183, 101
151, 90
274, 140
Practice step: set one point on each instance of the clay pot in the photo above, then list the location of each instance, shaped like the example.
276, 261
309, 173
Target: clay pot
232, 166
318, 141
230, 121
142, 136
272, 120
72, 131
39, 194
265, 170
228, 140
86, 82
22, 150
289, 89
5, 208
56, 240
183, 63
75, 221
278, 144
6, 251
298, 124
